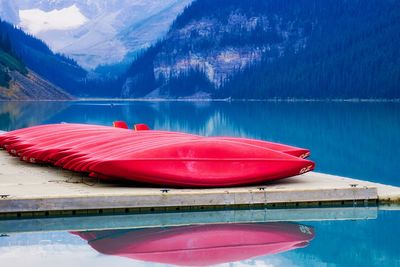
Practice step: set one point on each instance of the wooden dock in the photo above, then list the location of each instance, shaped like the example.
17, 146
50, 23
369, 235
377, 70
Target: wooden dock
34, 190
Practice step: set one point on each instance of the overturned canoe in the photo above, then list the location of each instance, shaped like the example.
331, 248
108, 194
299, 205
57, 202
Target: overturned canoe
156, 157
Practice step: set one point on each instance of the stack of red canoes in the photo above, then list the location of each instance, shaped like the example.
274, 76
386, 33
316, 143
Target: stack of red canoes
200, 245
156, 157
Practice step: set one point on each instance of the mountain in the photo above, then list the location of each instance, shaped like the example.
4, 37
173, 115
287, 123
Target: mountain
17, 81
30, 86
94, 32
274, 49
37, 56
352, 52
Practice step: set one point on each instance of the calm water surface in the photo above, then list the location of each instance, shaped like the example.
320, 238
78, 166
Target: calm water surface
362, 242
360, 140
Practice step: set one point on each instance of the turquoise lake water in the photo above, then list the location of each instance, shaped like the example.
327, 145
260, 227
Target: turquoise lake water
360, 140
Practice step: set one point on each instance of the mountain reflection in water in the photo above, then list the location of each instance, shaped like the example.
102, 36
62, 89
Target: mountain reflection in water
200, 245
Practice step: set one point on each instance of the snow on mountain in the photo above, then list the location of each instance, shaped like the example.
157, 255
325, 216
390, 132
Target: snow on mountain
36, 20
94, 32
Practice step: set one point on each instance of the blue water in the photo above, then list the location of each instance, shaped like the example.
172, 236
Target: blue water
359, 140
361, 242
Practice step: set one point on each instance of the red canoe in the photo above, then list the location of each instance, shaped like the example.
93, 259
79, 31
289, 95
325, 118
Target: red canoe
157, 157
200, 245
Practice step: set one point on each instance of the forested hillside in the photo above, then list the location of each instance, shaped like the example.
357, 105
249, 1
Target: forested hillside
17, 81
353, 52
37, 56
8, 61
274, 49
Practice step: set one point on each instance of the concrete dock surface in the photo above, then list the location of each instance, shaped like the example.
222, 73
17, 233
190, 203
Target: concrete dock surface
33, 189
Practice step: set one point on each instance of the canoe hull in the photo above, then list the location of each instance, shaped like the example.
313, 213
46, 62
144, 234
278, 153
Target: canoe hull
157, 157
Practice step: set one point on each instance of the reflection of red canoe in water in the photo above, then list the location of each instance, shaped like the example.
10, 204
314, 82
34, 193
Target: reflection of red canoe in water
200, 245
157, 157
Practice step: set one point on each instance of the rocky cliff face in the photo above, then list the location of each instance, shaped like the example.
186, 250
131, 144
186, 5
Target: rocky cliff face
221, 47
216, 39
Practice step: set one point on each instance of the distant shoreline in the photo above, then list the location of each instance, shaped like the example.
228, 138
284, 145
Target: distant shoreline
351, 100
